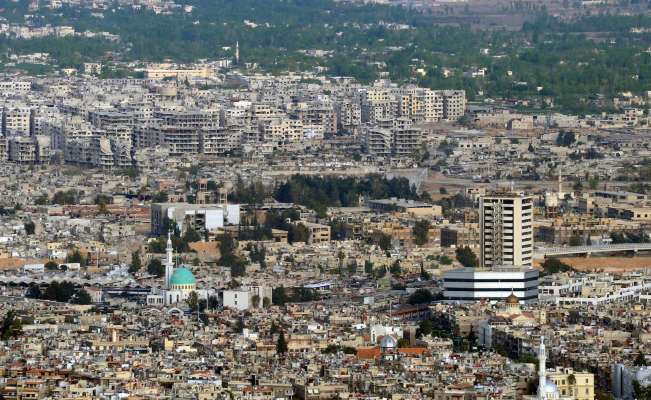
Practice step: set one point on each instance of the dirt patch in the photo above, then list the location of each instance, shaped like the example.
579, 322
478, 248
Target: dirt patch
607, 264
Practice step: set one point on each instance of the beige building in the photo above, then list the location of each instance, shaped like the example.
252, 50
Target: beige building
318, 233
179, 74
506, 230
571, 384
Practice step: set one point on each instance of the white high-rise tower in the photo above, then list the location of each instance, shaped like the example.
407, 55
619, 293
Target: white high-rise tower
169, 261
542, 376
237, 52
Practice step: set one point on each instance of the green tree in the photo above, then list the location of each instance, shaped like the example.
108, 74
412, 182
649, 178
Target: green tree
136, 263
368, 267
11, 327
445, 260
576, 240
239, 325
420, 296
640, 360
298, 233
33, 292
193, 301
467, 257
425, 327
30, 227
51, 266
421, 232
155, 267
279, 296
160, 197
395, 268
266, 302
255, 301
281, 344
191, 236
384, 241
82, 297
554, 265
76, 257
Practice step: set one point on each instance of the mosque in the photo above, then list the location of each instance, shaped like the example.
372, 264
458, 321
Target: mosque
547, 390
178, 284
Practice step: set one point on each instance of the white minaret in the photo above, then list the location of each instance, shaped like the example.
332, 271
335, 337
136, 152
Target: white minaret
169, 261
542, 376
237, 52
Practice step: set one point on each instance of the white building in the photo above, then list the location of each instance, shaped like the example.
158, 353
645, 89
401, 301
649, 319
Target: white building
244, 298
473, 284
201, 217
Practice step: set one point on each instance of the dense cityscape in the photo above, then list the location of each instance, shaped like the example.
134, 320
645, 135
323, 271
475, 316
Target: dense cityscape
325, 200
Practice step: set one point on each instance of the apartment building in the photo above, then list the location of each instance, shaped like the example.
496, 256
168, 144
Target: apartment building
179, 140
349, 115
506, 230
319, 233
316, 113
454, 104
400, 138
379, 141
282, 134
103, 119
407, 139
4, 149
22, 150
16, 121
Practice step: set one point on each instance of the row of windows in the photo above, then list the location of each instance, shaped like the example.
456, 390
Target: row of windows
502, 289
497, 280
489, 298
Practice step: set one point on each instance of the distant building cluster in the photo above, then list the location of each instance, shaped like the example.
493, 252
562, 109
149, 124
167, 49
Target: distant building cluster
111, 124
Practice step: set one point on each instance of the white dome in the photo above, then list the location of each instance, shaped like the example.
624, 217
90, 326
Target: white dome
388, 342
550, 387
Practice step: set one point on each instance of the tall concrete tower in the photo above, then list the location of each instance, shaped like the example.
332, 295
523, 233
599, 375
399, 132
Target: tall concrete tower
506, 230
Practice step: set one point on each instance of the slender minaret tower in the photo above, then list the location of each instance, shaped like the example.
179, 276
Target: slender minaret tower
560, 184
237, 53
542, 376
169, 261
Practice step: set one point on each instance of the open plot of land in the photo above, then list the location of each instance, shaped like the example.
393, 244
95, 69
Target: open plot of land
607, 264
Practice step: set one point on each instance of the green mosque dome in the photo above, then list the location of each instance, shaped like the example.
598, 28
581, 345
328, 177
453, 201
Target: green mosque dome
182, 276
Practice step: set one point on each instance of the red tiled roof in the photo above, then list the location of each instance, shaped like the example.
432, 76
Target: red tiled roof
416, 351
368, 352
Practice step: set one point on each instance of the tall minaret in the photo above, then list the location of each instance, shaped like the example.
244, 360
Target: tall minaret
237, 53
560, 184
169, 261
542, 376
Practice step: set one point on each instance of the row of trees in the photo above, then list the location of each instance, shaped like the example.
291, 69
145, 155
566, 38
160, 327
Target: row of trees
282, 295
319, 192
59, 291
